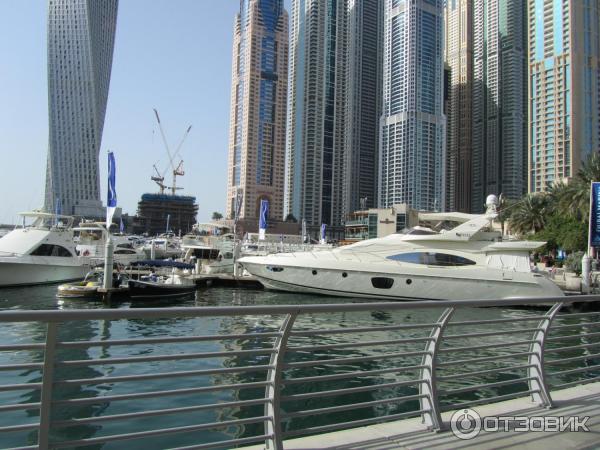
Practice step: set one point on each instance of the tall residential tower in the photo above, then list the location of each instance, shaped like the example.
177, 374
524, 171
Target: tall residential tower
413, 126
499, 100
563, 88
258, 108
459, 57
81, 35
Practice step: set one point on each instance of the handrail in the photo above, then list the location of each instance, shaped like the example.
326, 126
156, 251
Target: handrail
298, 370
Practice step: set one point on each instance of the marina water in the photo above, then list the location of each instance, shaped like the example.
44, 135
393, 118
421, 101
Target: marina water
43, 297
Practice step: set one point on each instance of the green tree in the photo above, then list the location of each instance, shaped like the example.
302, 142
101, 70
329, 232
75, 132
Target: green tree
529, 214
217, 215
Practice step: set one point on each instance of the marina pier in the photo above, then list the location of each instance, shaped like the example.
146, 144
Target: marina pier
221, 377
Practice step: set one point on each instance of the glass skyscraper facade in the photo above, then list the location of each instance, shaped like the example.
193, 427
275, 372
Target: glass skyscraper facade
499, 100
81, 36
258, 108
563, 88
413, 126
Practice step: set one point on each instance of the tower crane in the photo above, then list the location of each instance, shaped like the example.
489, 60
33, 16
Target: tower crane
176, 170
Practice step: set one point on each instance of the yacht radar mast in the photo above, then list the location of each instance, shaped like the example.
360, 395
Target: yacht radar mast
176, 171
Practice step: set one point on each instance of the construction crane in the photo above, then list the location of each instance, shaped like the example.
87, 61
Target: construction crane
176, 171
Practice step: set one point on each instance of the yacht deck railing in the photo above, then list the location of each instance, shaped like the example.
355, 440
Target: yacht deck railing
429, 367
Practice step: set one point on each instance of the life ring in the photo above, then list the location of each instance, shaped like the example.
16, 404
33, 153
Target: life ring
86, 253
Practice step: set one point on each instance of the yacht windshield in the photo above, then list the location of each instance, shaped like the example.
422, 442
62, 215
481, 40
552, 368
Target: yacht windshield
432, 259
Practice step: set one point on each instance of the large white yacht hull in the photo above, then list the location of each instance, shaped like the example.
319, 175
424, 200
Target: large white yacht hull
24, 271
351, 280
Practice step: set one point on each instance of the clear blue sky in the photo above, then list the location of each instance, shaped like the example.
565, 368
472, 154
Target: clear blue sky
174, 55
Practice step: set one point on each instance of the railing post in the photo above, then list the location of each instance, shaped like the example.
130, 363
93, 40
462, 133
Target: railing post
47, 383
428, 387
536, 371
273, 389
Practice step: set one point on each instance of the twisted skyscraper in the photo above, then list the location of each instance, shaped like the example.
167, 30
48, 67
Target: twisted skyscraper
81, 35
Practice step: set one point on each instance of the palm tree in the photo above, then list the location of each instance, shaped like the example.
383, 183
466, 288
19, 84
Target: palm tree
217, 215
528, 215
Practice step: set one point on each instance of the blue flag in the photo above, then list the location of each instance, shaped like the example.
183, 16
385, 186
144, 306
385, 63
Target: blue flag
121, 226
264, 215
594, 234
323, 228
111, 201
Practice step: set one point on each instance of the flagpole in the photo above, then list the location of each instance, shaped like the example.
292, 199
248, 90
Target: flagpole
111, 205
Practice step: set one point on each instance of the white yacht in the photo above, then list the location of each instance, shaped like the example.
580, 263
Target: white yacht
91, 241
163, 247
43, 252
470, 261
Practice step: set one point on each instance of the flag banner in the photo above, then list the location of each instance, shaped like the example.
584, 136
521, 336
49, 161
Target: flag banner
323, 228
594, 235
121, 225
304, 237
168, 220
57, 210
111, 201
262, 222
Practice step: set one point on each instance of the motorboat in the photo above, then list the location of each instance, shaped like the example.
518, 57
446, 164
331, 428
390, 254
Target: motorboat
164, 246
88, 287
91, 241
470, 261
153, 286
41, 252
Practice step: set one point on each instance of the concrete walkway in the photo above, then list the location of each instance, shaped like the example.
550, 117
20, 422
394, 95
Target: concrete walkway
410, 434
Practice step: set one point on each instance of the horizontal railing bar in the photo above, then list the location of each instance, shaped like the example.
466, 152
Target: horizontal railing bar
341, 376
176, 357
353, 390
15, 428
20, 387
491, 333
107, 398
572, 347
575, 383
579, 370
352, 359
498, 398
25, 366
571, 315
555, 362
226, 444
576, 325
150, 313
159, 432
483, 372
159, 412
484, 359
353, 424
153, 376
357, 330
15, 347
476, 387
494, 321
30, 447
570, 336
313, 412
165, 340
483, 346
19, 406
358, 344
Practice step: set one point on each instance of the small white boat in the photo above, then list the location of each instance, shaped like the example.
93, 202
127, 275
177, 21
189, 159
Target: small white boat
42, 252
162, 247
470, 261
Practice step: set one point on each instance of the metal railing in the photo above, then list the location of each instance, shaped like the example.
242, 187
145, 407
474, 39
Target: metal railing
299, 368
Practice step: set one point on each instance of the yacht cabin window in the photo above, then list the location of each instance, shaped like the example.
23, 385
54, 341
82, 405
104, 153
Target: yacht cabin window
51, 250
432, 259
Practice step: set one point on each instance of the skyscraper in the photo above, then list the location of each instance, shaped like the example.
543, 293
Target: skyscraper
316, 112
563, 88
413, 126
258, 108
459, 57
81, 36
499, 100
363, 104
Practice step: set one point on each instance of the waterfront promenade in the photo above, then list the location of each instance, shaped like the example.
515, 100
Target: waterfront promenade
275, 375
412, 434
